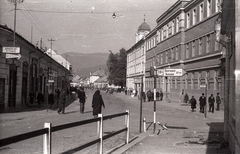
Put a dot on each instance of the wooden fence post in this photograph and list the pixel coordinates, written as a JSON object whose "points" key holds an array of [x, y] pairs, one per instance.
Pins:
{"points": [[127, 126], [100, 131], [47, 140]]}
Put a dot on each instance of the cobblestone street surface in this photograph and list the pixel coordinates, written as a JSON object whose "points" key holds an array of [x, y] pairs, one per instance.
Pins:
{"points": [[188, 132]]}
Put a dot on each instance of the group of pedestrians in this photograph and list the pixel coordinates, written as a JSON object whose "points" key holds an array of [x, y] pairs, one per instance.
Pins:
{"points": [[203, 103], [97, 101], [150, 96]]}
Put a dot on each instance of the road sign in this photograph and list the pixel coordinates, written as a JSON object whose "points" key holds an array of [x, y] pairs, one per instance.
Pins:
{"points": [[50, 81], [11, 50], [170, 72], [18, 56], [202, 86], [160, 72]]}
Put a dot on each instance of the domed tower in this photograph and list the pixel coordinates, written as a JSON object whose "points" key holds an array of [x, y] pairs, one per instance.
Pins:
{"points": [[143, 30]]}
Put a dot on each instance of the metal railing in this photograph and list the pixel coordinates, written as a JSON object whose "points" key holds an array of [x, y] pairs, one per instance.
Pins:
{"points": [[48, 129]]}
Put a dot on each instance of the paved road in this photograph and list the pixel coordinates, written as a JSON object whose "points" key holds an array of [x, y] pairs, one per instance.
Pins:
{"points": [[185, 125]]}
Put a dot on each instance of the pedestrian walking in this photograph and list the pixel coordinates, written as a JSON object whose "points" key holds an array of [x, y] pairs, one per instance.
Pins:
{"points": [[40, 98], [63, 99], [218, 101], [181, 98], [202, 101], [31, 97], [51, 99], [211, 101], [161, 95], [82, 99], [58, 96], [193, 103], [97, 103], [149, 95], [157, 95], [186, 99]]}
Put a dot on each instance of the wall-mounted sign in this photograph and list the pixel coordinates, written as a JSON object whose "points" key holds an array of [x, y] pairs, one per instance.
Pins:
{"points": [[11, 50]]}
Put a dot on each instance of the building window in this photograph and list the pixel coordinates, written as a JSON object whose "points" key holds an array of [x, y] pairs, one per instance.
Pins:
{"points": [[200, 46], [158, 36], [208, 44], [173, 26], [187, 50], [177, 24], [218, 5], [169, 30], [194, 17], [176, 57], [209, 7], [201, 13], [162, 35], [188, 20], [161, 58], [166, 59], [193, 48], [172, 55]]}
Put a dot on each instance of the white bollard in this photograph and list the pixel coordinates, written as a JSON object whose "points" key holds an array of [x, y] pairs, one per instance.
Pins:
{"points": [[47, 140]]}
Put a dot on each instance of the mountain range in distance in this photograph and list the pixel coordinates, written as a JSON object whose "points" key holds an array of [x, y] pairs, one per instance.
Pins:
{"points": [[83, 64]]}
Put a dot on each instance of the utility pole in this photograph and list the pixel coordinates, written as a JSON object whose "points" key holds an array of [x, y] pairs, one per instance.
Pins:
{"points": [[51, 40]]}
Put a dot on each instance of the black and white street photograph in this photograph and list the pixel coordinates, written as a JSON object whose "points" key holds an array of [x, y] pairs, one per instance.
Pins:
{"points": [[119, 77]]}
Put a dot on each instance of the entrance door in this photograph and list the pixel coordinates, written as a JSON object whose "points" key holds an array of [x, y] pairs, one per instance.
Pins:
{"points": [[12, 86], [2, 94], [24, 91]]}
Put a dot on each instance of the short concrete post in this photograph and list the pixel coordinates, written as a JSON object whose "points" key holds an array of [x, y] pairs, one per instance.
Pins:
{"points": [[144, 125], [47, 140], [127, 126]]}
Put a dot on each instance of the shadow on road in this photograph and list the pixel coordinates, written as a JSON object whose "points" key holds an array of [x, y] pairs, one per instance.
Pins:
{"points": [[36, 107]]}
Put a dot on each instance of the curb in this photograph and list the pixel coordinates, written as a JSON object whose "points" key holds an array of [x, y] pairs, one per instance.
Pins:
{"points": [[124, 147]]}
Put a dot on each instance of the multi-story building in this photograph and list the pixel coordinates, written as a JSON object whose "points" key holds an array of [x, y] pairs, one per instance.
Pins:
{"points": [[35, 71], [136, 59], [228, 36], [185, 39]]}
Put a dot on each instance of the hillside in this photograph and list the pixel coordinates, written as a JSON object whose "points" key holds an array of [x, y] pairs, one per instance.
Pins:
{"points": [[83, 64]]}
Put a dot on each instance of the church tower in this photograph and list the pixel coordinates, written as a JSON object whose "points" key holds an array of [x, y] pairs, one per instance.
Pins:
{"points": [[143, 30]]}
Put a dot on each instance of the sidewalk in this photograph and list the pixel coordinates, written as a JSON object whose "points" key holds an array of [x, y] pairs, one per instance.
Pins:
{"points": [[208, 140]]}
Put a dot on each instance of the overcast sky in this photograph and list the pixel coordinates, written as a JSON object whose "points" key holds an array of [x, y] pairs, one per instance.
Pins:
{"points": [[84, 26]]}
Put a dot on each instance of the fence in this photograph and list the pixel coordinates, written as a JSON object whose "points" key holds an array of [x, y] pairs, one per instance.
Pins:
{"points": [[48, 129]]}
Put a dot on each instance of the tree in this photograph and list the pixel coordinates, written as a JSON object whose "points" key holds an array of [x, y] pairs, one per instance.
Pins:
{"points": [[117, 68]]}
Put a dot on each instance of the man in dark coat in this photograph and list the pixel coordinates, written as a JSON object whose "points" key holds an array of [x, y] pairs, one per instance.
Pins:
{"points": [[32, 97], [51, 99], [211, 101], [40, 98], [63, 99], [157, 95], [202, 101], [186, 98], [82, 99], [218, 101], [97, 103], [193, 103], [149, 93], [161, 95]]}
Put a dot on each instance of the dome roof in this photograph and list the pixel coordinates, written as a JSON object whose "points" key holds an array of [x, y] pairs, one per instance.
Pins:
{"points": [[144, 27]]}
